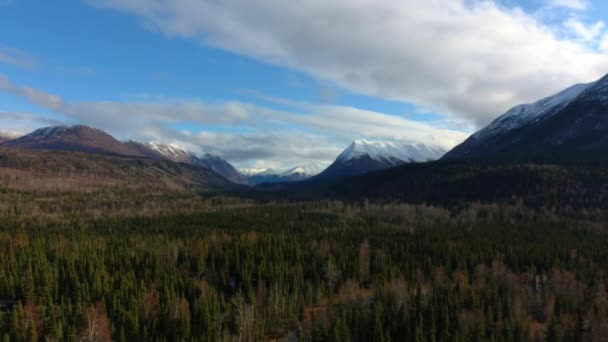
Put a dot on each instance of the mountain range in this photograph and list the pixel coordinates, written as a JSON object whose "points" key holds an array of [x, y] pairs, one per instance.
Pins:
{"points": [[360, 157], [550, 152], [570, 126]]}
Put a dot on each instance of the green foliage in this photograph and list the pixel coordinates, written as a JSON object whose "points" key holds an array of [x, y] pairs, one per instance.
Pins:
{"points": [[319, 271]]}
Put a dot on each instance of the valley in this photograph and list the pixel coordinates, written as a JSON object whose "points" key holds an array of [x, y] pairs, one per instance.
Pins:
{"points": [[315, 171]]}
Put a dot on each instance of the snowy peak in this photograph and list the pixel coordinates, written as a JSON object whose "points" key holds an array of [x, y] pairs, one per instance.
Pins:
{"points": [[178, 153], [294, 174], [307, 170], [524, 114], [58, 131], [253, 171], [570, 125], [9, 135], [363, 156], [392, 152], [172, 152]]}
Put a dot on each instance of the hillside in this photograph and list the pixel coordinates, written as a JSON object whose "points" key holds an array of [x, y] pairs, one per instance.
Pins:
{"points": [[74, 171], [452, 183]]}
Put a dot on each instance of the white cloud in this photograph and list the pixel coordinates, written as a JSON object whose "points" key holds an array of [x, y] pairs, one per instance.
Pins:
{"points": [[313, 133], [578, 5], [16, 57], [603, 45], [583, 31], [24, 121], [469, 59]]}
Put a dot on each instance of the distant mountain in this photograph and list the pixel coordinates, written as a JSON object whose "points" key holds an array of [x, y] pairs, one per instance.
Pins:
{"points": [[255, 171], [570, 125], [294, 174], [214, 163], [307, 170], [222, 167], [9, 135], [364, 156], [75, 138], [81, 138]]}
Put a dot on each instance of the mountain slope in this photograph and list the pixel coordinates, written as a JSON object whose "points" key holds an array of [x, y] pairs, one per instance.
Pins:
{"points": [[71, 170], [364, 156], [571, 125], [75, 138], [179, 154], [172, 152], [81, 138], [222, 167]]}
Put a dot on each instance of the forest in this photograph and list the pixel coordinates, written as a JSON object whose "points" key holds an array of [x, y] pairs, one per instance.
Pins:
{"points": [[133, 265]]}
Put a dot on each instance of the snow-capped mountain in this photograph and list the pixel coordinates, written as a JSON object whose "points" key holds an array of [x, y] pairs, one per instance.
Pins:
{"points": [[364, 156], [254, 171], [571, 122], [294, 174], [390, 152], [172, 152], [222, 167], [308, 170], [524, 114], [9, 135], [214, 163]]}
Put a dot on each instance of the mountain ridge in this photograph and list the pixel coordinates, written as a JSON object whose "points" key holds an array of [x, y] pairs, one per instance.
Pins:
{"points": [[575, 128], [81, 138], [363, 156]]}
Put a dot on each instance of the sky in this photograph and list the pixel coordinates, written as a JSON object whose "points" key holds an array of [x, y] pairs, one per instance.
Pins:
{"points": [[276, 84]]}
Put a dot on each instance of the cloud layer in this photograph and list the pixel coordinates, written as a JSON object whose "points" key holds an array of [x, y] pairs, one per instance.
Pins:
{"points": [[468, 59]]}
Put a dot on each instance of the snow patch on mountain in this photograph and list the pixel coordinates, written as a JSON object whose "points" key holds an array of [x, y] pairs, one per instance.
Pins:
{"points": [[9, 135], [168, 150], [53, 131], [524, 114], [311, 169], [306, 170], [252, 171], [392, 152], [174, 152]]}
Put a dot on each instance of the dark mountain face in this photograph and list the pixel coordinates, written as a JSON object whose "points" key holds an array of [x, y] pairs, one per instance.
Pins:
{"points": [[576, 130], [277, 178], [359, 165], [75, 138]]}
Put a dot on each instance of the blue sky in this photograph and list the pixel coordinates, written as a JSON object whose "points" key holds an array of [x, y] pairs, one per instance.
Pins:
{"points": [[265, 84]]}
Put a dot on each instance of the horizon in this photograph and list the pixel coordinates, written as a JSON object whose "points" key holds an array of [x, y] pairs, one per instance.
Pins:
{"points": [[265, 87]]}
